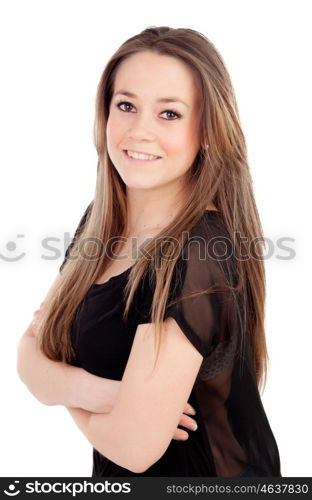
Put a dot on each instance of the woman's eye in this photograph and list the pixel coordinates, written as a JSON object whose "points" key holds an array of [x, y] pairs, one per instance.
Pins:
{"points": [[119, 104], [127, 106], [174, 113]]}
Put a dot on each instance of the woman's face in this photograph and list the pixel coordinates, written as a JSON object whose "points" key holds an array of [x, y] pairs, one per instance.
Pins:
{"points": [[154, 110]]}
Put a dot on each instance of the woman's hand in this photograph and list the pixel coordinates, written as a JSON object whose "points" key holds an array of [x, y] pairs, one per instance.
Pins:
{"points": [[35, 319], [185, 421], [94, 394], [98, 395]]}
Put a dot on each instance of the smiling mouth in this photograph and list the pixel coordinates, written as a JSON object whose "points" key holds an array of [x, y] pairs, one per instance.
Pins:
{"points": [[135, 155]]}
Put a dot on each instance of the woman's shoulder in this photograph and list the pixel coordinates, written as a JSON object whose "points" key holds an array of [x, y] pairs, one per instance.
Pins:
{"points": [[210, 250], [211, 226]]}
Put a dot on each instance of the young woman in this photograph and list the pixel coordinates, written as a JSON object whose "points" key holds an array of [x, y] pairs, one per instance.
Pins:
{"points": [[159, 303]]}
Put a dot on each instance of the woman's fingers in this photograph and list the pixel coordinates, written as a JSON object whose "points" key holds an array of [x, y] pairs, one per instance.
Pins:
{"points": [[188, 422], [35, 317], [37, 312], [35, 321], [189, 409], [180, 435]]}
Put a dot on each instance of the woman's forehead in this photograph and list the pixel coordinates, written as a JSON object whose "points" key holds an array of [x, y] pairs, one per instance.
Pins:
{"points": [[157, 77]]}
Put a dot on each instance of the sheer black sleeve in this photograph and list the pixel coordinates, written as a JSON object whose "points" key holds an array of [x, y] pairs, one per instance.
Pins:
{"points": [[206, 263], [77, 232]]}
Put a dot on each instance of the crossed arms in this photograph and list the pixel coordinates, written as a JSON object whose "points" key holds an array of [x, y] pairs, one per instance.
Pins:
{"points": [[131, 422]]}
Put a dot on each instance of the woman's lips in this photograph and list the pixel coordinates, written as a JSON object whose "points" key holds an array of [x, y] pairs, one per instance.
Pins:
{"points": [[125, 151]]}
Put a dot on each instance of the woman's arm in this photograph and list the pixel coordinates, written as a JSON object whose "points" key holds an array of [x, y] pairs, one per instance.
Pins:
{"points": [[58, 383], [82, 393], [138, 430], [82, 419]]}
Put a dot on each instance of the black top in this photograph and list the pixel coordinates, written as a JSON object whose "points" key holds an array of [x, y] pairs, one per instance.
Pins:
{"points": [[233, 431]]}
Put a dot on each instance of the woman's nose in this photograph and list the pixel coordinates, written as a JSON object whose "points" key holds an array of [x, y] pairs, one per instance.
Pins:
{"points": [[141, 127]]}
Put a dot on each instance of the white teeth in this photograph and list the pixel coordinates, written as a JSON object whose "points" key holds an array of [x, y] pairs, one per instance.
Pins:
{"points": [[141, 156]]}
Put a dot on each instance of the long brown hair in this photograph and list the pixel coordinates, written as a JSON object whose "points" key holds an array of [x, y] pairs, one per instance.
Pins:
{"points": [[219, 175]]}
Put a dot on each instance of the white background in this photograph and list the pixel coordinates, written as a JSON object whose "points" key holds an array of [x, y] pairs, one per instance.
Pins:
{"points": [[52, 57]]}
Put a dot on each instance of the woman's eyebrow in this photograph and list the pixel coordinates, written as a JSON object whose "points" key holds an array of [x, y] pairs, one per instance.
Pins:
{"points": [[161, 99]]}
